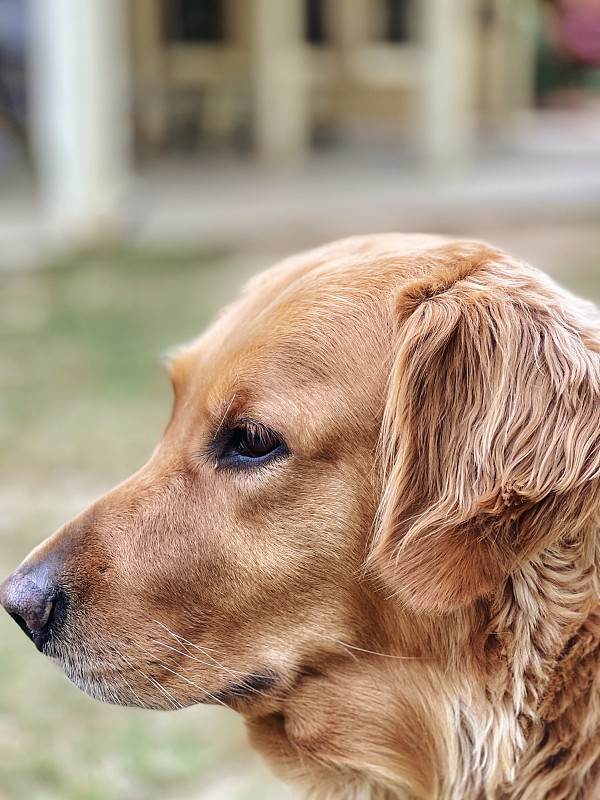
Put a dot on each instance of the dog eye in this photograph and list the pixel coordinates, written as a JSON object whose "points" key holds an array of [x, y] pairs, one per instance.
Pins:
{"points": [[250, 443], [255, 442]]}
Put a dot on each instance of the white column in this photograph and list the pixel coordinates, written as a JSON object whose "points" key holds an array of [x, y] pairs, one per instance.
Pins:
{"points": [[524, 23], [280, 108], [449, 75], [80, 116]]}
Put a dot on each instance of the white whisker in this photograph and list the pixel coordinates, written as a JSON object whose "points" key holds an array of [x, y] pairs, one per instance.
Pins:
{"points": [[383, 655], [352, 647], [183, 677], [184, 641], [202, 689], [182, 652], [162, 689], [208, 663], [235, 673], [176, 636], [125, 681], [154, 683]]}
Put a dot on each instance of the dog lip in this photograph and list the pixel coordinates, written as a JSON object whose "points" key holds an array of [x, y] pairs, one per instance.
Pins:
{"points": [[256, 683]]}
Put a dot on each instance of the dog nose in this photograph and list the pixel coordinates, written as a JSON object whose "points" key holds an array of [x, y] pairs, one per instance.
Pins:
{"points": [[35, 602]]}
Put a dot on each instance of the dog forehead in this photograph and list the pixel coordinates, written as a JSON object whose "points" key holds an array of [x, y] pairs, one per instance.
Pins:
{"points": [[302, 324], [312, 316]]}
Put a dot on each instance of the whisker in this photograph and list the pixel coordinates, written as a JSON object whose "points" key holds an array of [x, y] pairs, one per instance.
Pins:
{"points": [[162, 689], [129, 686], [350, 647], [154, 683], [109, 693], [224, 416], [183, 677], [176, 636], [182, 652], [233, 672], [184, 641], [209, 663], [207, 654], [202, 689], [383, 655], [132, 690]]}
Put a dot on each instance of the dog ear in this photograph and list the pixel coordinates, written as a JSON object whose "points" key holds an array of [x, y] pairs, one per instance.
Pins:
{"points": [[490, 439]]}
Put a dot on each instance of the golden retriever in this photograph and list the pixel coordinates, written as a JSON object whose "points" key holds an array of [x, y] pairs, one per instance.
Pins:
{"points": [[371, 527]]}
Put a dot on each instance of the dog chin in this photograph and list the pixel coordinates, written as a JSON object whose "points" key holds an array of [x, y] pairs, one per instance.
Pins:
{"points": [[107, 688]]}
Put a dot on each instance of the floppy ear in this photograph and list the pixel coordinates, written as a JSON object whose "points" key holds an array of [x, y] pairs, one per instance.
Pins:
{"points": [[491, 432]]}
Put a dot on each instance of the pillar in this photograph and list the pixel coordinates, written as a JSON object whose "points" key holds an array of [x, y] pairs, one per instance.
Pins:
{"points": [[280, 85], [80, 116], [448, 87]]}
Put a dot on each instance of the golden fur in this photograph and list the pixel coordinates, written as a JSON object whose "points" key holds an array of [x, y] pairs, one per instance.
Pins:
{"points": [[405, 605]]}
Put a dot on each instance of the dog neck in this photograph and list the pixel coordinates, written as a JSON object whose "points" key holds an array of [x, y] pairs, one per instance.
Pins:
{"points": [[519, 709], [552, 658]]}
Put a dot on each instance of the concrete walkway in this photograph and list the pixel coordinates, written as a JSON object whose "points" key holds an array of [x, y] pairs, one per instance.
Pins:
{"points": [[236, 204], [341, 195]]}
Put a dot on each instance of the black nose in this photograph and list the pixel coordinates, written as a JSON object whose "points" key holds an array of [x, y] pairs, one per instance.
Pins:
{"points": [[35, 602]]}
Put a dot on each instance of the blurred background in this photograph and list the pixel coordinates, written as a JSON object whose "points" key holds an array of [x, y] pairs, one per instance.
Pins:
{"points": [[153, 155]]}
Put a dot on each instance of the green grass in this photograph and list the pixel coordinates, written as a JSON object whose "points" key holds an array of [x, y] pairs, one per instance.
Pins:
{"points": [[83, 400], [80, 346]]}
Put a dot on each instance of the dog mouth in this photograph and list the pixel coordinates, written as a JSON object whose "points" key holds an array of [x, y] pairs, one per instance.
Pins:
{"points": [[127, 672], [253, 685], [122, 684], [105, 685], [112, 676], [111, 686]]}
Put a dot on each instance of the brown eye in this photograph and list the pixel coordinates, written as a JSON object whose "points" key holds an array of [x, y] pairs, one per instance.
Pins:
{"points": [[250, 443], [255, 441]]}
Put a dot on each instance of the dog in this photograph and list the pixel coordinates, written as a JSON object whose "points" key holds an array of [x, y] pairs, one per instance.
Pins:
{"points": [[371, 527]]}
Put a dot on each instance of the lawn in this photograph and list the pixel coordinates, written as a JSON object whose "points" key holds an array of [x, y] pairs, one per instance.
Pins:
{"points": [[83, 400]]}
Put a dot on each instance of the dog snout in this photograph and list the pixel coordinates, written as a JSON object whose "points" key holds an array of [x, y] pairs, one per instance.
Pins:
{"points": [[35, 601]]}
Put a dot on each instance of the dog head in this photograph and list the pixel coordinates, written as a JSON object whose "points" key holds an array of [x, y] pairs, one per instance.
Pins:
{"points": [[379, 430]]}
